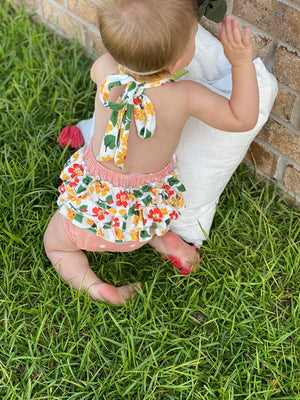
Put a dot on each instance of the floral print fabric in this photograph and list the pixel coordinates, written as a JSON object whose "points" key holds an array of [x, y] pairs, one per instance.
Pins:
{"points": [[132, 100], [114, 213]]}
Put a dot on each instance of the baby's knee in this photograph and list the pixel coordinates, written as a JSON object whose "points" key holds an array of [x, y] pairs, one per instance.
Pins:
{"points": [[47, 240], [50, 234]]}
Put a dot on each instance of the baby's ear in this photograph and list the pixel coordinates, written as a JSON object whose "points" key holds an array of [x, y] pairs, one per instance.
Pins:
{"points": [[175, 66]]}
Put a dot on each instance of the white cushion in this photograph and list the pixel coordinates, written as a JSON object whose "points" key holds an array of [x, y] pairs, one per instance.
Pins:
{"points": [[207, 156]]}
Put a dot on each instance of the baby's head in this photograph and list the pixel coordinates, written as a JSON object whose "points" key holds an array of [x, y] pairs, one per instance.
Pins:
{"points": [[147, 36]]}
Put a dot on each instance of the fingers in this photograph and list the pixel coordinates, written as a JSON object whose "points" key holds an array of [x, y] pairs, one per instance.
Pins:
{"points": [[237, 47], [236, 34], [247, 38], [230, 32]]}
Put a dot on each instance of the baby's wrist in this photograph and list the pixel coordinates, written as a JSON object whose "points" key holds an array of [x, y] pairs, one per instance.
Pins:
{"points": [[241, 63]]}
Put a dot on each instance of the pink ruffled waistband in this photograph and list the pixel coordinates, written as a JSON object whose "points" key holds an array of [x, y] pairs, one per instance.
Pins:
{"points": [[96, 169]]}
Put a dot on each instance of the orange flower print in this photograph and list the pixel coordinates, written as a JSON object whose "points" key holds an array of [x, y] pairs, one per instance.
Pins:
{"points": [[74, 182], [135, 220], [119, 234], [122, 199], [155, 214], [173, 215], [137, 205], [102, 88], [149, 108], [100, 232], [180, 202], [131, 196], [65, 177], [76, 170], [172, 199], [71, 214], [124, 139], [99, 213], [99, 187], [164, 212], [109, 128], [116, 222], [62, 188], [121, 156], [163, 232], [154, 191], [134, 235], [107, 158], [169, 190], [139, 114], [75, 156], [74, 199], [83, 196]]}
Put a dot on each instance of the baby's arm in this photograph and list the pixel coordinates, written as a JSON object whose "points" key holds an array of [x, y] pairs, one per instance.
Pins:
{"points": [[240, 113], [244, 100], [102, 67]]}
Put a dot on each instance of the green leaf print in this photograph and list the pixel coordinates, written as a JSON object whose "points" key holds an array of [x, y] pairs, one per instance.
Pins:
{"points": [[145, 235], [114, 117], [83, 208], [146, 188], [101, 205], [173, 181], [115, 83], [78, 218], [131, 210], [132, 86], [137, 193], [109, 199], [145, 133], [87, 179], [110, 141], [81, 189], [181, 188], [147, 200]]}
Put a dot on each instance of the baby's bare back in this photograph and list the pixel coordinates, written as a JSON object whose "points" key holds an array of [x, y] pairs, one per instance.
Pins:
{"points": [[150, 154]]}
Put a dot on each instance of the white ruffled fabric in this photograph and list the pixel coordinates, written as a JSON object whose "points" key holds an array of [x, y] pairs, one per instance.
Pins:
{"points": [[116, 213]]}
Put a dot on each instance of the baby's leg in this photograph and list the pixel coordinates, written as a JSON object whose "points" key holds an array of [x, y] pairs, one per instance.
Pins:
{"points": [[72, 265], [181, 254]]}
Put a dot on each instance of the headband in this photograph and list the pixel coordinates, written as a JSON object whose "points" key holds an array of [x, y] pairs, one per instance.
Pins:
{"points": [[214, 10]]}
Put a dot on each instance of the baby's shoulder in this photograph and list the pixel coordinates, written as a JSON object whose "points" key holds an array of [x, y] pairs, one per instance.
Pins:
{"points": [[178, 90], [104, 65]]}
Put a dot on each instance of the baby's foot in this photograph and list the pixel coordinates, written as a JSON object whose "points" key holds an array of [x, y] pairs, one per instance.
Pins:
{"points": [[116, 295], [180, 253]]}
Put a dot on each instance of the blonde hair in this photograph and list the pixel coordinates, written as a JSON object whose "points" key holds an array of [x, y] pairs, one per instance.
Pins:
{"points": [[146, 36]]}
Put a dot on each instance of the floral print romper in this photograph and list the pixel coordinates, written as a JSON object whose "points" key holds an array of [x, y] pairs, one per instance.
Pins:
{"points": [[119, 207]]}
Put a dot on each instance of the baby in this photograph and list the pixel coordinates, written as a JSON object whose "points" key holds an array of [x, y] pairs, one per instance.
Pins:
{"points": [[122, 191]]}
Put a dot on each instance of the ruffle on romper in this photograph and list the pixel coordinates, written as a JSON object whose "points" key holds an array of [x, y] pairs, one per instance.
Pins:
{"points": [[118, 207]]}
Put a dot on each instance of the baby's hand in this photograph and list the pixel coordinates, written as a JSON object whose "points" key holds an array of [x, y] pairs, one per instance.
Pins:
{"points": [[237, 49]]}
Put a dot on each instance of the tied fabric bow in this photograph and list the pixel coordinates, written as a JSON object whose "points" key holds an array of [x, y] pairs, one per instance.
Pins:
{"points": [[132, 99], [214, 10]]}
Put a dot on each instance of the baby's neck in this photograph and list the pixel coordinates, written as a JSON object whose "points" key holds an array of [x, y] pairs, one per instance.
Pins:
{"points": [[145, 78]]}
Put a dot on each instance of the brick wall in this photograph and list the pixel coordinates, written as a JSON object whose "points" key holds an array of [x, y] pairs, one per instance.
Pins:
{"points": [[276, 36]]}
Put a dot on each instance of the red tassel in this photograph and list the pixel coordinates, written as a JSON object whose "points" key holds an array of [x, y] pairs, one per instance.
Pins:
{"points": [[71, 136]]}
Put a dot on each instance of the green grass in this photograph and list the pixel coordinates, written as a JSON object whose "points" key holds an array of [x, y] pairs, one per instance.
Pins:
{"points": [[229, 331]]}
